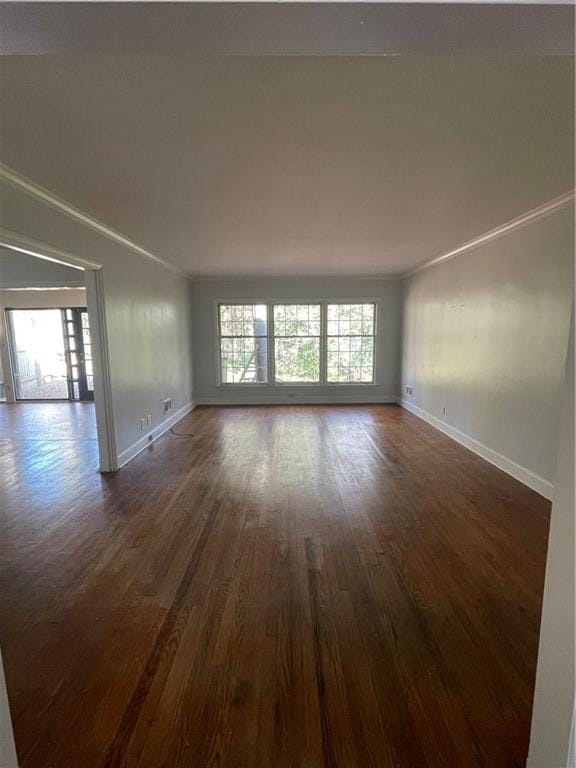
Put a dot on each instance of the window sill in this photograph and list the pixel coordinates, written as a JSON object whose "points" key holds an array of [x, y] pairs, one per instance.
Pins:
{"points": [[304, 384]]}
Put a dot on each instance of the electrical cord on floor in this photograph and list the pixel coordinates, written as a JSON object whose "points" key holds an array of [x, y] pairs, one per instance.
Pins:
{"points": [[181, 434]]}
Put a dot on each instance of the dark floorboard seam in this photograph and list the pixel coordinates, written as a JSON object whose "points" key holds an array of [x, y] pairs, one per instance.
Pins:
{"points": [[116, 754], [327, 746]]}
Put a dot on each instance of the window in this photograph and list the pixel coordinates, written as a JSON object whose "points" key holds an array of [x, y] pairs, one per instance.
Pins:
{"points": [[243, 337], [350, 331], [317, 343], [297, 343]]}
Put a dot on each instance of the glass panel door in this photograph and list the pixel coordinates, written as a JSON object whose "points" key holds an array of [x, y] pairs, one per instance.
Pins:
{"points": [[2, 386], [88, 383], [38, 353], [78, 354]]}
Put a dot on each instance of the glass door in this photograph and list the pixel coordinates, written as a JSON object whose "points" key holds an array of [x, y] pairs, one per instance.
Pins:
{"points": [[38, 354], [51, 353], [88, 383], [78, 354], [2, 385]]}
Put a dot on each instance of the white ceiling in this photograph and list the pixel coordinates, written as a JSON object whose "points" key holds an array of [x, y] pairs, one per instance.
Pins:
{"points": [[284, 165], [289, 28]]}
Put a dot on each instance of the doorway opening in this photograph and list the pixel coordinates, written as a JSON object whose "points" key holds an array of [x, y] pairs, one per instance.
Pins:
{"points": [[54, 364]]}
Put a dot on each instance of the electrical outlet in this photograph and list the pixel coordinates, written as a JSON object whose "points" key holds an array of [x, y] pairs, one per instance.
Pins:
{"points": [[443, 410], [149, 419], [142, 424], [167, 404], [409, 390]]}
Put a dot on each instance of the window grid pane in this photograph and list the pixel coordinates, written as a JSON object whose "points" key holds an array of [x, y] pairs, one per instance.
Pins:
{"points": [[243, 343], [297, 343], [296, 320], [243, 320], [350, 343]]}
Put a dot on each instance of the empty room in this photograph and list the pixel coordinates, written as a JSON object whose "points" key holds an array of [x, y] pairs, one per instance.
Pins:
{"points": [[287, 385]]}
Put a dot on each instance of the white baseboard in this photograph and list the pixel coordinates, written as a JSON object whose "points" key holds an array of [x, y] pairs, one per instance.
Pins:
{"points": [[533, 481], [127, 455], [301, 399]]}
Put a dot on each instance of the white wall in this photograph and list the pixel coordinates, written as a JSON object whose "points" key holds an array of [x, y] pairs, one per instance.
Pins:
{"points": [[7, 747], [18, 270], [553, 712], [148, 312], [572, 747], [207, 293], [485, 337]]}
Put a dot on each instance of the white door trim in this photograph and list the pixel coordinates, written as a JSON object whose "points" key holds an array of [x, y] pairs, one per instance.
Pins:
{"points": [[94, 279], [101, 362]]}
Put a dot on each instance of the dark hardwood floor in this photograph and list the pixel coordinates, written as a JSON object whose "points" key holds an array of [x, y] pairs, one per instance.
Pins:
{"points": [[47, 421], [294, 586]]}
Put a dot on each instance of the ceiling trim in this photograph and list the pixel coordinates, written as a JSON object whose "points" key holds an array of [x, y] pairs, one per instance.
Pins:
{"points": [[510, 226], [44, 285], [263, 276], [14, 241], [29, 187]]}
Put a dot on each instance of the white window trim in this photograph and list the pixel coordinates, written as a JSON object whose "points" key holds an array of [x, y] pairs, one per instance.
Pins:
{"points": [[323, 382]]}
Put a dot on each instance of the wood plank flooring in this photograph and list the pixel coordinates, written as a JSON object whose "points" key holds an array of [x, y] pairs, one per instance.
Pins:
{"points": [[294, 586]]}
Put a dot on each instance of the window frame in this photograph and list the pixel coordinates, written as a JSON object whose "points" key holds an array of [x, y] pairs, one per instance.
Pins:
{"points": [[320, 338], [218, 336], [375, 335], [270, 369]]}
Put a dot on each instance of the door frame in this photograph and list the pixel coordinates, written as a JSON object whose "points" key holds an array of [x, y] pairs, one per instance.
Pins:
{"points": [[95, 303]]}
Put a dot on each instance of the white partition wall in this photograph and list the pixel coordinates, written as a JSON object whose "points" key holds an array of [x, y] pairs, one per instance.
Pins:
{"points": [[8, 757], [145, 303], [484, 345], [552, 736]]}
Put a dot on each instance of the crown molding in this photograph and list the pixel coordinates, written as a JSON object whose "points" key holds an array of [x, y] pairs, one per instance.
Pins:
{"points": [[510, 226], [29, 187], [260, 278]]}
